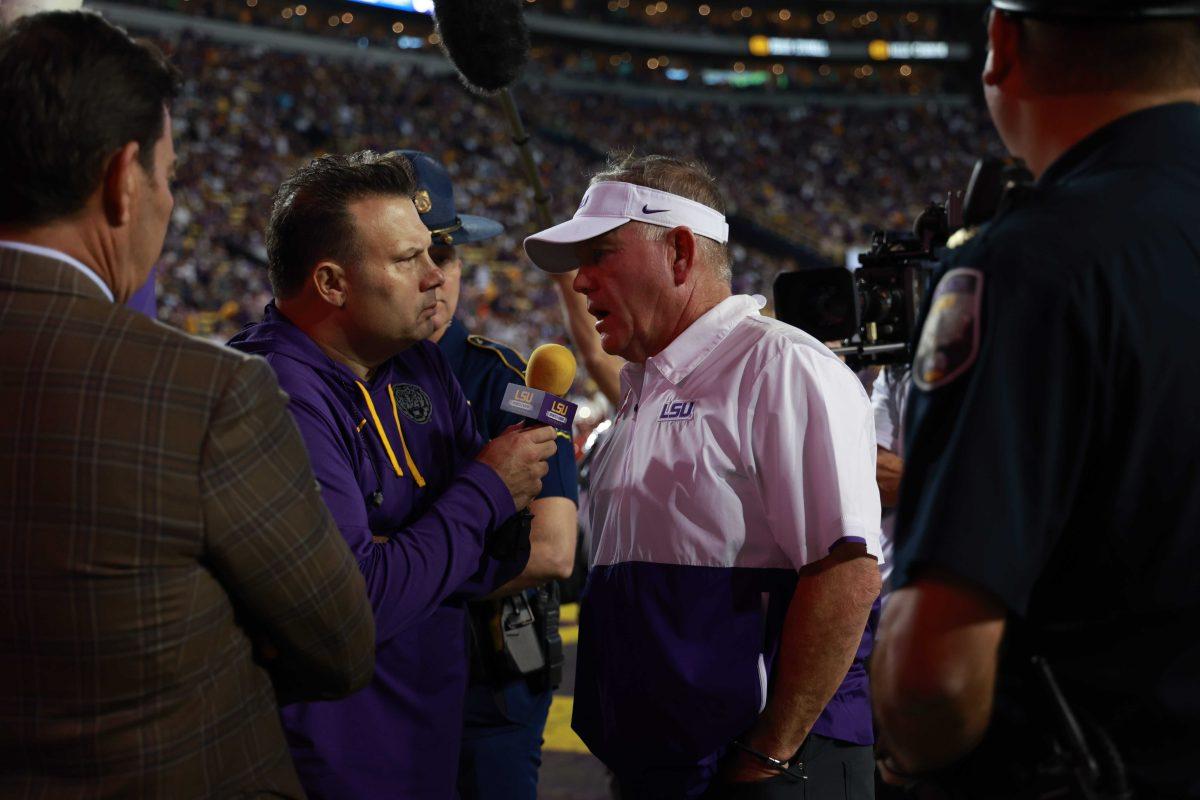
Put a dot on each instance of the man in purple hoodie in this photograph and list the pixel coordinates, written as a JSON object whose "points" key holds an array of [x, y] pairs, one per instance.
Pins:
{"points": [[426, 508]]}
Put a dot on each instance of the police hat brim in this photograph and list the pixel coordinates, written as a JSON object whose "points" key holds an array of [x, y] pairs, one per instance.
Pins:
{"points": [[476, 229], [470, 229]]}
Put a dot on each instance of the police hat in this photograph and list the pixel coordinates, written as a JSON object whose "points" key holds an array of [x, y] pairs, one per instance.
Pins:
{"points": [[435, 204], [1101, 9]]}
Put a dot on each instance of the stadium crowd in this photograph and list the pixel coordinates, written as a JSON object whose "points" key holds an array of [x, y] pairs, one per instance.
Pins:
{"points": [[740, 18], [387, 29], [822, 177]]}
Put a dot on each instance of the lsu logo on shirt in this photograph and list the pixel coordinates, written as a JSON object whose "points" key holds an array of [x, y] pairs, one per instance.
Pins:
{"points": [[678, 410]]}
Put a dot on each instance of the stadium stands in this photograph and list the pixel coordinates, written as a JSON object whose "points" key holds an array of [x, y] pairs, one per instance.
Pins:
{"points": [[823, 177]]}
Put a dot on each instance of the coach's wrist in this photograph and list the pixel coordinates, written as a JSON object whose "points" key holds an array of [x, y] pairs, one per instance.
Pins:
{"points": [[745, 768], [764, 752]]}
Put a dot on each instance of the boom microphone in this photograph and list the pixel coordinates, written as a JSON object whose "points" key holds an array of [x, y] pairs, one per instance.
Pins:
{"points": [[486, 40], [548, 376]]}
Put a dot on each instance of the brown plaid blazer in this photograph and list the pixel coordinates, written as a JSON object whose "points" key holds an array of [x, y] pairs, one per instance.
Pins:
{"points": [[158, 513]]}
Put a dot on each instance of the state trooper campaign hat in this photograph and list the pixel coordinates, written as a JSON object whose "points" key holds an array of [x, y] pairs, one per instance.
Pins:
{"points": [[435, 203], [1101, 9]]}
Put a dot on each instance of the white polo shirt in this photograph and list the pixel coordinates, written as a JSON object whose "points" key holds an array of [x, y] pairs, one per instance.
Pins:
{"points": [[744, 443], [740, 453]]}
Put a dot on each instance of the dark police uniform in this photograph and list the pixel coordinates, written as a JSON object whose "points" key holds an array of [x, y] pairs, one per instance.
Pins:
{"points": [[1053, 451], [505, 714]]}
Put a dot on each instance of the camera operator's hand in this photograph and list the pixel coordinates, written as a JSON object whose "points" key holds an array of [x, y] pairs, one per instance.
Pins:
{"points": [[519, 457]]}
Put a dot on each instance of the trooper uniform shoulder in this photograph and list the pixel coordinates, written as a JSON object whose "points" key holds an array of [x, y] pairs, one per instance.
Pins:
{"points": [[499, 352], [1017, 227], [1021, 342], [1003, 264]]}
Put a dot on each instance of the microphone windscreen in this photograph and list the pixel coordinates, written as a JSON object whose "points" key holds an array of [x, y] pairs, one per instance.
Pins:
{"points": [[486, 40], [551, 368]]}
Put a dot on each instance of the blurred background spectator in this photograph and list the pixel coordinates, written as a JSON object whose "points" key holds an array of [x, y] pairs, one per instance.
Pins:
{"points": [[819, 177]]}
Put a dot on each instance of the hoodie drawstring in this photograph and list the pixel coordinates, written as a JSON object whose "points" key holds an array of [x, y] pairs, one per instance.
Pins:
{"points": [[379, 428], [387, 445], [408, 459]]}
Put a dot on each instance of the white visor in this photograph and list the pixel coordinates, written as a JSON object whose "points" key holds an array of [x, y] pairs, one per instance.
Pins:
{"points": [[610, 204]]}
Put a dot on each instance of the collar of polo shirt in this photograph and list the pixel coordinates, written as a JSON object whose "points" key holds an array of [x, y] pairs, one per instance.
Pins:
{"points": [[607, 206]]}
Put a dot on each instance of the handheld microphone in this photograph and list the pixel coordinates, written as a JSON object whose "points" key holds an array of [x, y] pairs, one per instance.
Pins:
{"points": [[486, 40], [548, 376], [551, 368]]}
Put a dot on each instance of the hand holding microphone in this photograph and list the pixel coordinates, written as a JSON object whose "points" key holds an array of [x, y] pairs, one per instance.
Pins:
{"points": [[519, 457], [519, 454]]}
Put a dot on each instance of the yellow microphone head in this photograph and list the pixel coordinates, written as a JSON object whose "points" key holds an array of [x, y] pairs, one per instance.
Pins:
{"points": [[551, 368]]}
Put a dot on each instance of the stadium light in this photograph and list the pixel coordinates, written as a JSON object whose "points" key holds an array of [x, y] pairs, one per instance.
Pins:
{"points": [[417, 6]]}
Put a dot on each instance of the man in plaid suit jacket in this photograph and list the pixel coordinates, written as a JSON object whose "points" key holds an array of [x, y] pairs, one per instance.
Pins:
{"points": [[158, 513]]}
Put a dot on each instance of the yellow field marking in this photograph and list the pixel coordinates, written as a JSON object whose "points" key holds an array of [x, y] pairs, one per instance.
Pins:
{"points": [[568, 616], [559, 738]]}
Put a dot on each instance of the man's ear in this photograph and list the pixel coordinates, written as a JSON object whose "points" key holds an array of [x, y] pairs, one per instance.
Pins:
{"points": [[329, 279], [682, 244], [120, 187], [1004, 40]]}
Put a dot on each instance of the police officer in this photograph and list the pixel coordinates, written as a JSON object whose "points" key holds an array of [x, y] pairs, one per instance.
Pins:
{"points": [[1051, 497], [506, 709]]}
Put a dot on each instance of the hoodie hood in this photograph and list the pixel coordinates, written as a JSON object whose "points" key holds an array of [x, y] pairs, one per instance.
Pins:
{"points": [[276, 335], [294, 356]]}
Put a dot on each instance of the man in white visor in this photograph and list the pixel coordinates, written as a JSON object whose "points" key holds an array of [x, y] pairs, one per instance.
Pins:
{"points": [[729, 609]]}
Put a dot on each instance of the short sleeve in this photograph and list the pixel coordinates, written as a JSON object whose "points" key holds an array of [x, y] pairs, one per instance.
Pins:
{"points": [[993, 456], [813, 442], [562, 479]]}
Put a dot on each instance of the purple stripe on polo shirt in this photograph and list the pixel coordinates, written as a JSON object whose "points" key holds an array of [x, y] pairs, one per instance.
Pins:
{"points": [[667, 670], [845, 539]]}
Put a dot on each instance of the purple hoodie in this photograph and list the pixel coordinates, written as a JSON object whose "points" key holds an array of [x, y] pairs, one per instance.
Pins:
{"points": [[399, 466]]}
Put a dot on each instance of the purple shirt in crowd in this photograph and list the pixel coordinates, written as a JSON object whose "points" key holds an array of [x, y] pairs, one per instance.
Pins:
{"points": [[399, 737]]}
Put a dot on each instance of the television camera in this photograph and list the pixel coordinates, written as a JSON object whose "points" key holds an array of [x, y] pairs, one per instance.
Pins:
{"points": [[875, 310]]}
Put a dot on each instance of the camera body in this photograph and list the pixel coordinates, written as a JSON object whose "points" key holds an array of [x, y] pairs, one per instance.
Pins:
{"points": [[875, 311]]}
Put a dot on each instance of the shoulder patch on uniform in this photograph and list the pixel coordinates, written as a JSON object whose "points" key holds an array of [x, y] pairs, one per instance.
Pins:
{"points": [[496, 347], [949, 341]]}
